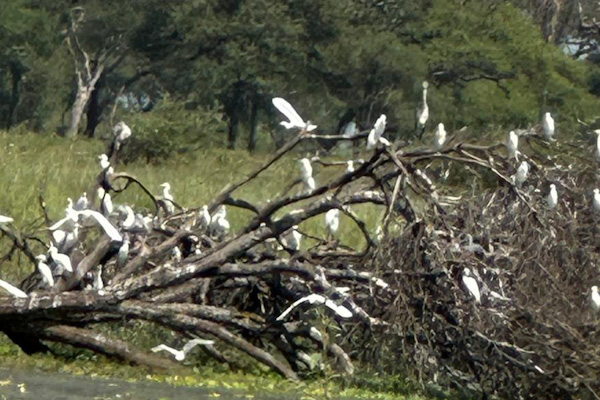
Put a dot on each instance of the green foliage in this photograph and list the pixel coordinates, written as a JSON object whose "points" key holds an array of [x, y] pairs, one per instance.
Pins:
{"points": [[486, 61], [169, 129]]}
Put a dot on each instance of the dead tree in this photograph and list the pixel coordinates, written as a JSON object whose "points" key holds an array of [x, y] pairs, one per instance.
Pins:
{"points": [[89, 67], [533, 332]]}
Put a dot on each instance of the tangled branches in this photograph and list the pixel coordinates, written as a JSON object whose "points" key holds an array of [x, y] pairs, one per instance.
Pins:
{"points": [[533, 332]]}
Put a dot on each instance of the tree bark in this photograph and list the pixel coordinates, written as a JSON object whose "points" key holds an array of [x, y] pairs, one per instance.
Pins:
{"points": [[16, 75], [94, 110]]}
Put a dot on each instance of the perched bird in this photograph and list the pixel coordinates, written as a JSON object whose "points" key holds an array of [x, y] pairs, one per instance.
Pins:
{"points": [[375, 134], [310, 185], [595, 298], [109, 229], [168, 197], [512, 145], [552, 198], [596, 201], [180, 354], [219, 226], [295, 121], [349, 166], [440, 137], [98, 283], [61, 260], [332, 219], [82, 203], [106, 204], [422, 114], [121, 132], [317, 299], [522, 173], [471, 285], [293, 239], [44, 270], [176, 253], [205, 217], [5, 220], [548, 124], [129, 220], [350, 130], [104, 163], [66, 240], [305, 169], [16, 292], [597, 131], [123, 252]]}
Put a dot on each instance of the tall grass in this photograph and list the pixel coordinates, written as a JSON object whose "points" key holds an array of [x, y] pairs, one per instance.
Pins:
{"points": [[55, 168]]}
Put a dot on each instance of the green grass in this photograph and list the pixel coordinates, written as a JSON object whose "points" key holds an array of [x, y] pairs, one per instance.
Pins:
{"points": [[56, 169]]}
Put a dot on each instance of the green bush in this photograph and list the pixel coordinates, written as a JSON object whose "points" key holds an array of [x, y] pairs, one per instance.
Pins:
{"points": [[171, 128]]}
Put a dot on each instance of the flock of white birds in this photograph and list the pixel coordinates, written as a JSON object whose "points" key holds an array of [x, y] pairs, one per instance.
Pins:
{"points": [[121, 222]]}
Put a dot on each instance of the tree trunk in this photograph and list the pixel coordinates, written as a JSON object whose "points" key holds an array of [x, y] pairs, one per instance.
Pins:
{"points": [[253, 125], [94, 111], [83, 95], [17, 75], [233, 127]]}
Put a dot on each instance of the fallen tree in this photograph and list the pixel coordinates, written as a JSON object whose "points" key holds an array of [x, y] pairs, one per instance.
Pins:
{"points": [[533, 331]]}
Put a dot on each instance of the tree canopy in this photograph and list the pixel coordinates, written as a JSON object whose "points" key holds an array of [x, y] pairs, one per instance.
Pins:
{"points": [[488, 62]]}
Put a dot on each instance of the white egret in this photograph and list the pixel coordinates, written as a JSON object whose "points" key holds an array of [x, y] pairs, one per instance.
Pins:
{"points": [[104, 163], [16, 292], [349, 167], [440, 137], [220, 226], [220, 213], [123, 253], [310, 185], [596, 201], [60, 259], [595, 298], [305, 169], [332, 219], [350, 130], [548, 123], [121, 131], [473, 247], [317, 299], [129, 220], [44, 270], [4, 220], [66, 240], [293, 239], [522, 173], [98, 282], [512, 145], [205, 217], [82, 203], [106, 205], [375, 134], [552, 198], [168, 197], [295, 121], [471, 285], [422, 112], [176, 253], [597, 131], [180, 354], [109, 229]]}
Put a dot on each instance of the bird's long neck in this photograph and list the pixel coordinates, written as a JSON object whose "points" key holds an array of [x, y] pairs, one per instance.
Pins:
{"points": [[424, 97]]}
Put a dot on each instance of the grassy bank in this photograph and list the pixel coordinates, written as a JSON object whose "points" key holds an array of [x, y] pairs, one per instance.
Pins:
{"points": [[56, 169]]}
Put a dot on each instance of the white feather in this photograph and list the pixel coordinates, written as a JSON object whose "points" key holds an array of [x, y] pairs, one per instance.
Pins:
{"points": [[471, 285], [16, 292]]}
